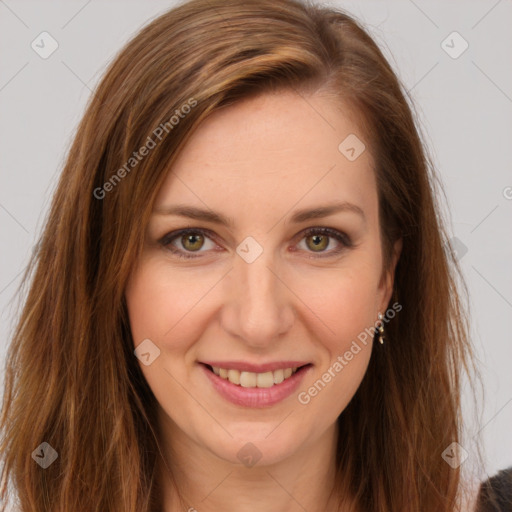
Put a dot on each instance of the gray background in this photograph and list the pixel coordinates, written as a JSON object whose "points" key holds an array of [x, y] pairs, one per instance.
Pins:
{"points": [[464, 106]]}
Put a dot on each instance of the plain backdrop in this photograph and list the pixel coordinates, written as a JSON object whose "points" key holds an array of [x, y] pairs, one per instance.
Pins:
{"points": [[464, 106]]}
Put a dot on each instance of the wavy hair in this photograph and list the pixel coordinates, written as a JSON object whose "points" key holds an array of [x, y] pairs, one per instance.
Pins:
{"points": [[71, 378]]}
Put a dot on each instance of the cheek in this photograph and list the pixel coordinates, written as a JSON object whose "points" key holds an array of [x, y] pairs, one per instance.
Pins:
{"points": [[342, 301], [148, 302], [346, 312], [161, 308], [164, 305]]}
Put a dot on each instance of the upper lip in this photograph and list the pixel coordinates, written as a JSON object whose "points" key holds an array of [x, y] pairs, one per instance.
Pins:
{"points": [[255, 368]]}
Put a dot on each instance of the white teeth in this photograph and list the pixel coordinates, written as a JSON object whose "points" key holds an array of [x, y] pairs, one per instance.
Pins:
{"points": [[253, 380], [278, 376], [234, 376], [265, 380], [247, 379]]}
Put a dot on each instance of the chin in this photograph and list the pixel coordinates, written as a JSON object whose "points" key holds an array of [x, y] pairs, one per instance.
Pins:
{"points": [[256, 445]]}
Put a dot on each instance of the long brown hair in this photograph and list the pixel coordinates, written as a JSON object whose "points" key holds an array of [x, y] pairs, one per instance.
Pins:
{"points": [[72, 379]]}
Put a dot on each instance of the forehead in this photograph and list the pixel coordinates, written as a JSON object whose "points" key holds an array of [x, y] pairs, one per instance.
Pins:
{"points": [[273, 150]]}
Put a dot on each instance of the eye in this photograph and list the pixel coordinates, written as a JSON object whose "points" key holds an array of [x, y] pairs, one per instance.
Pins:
{"points": [[186, 242], [317, 240]]}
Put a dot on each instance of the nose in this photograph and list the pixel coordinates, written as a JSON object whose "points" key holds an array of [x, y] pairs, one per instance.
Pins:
{"points": [[258, 309]]}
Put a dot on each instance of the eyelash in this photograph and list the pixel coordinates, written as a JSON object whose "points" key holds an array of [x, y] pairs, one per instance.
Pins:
{"points": [[344, 240]]}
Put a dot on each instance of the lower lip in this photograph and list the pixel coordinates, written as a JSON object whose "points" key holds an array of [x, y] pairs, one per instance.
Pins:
{"points": [[256, 397]]}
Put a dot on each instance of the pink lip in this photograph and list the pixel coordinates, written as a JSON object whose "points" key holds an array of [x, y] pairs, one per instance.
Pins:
{"points": [[256, 368], [255, 397]]}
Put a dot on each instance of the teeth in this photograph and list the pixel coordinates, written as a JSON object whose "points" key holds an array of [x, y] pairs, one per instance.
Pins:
{"points": [[247, 379], [278, 376], [234, 376], [265, 380], [253, 380]]}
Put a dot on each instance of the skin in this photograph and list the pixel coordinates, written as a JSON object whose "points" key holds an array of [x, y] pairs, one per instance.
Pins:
{"points": [[258, 162]]}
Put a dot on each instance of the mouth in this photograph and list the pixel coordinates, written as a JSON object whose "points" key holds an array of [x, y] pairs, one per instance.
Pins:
{"points": [[249, 379], [254, 389]]}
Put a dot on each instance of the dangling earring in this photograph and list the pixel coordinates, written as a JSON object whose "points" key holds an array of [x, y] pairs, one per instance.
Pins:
{"points": [[381, 330]]}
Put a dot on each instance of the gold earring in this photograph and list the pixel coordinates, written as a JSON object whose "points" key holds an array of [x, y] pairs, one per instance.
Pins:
{"points": [[381, 330]]}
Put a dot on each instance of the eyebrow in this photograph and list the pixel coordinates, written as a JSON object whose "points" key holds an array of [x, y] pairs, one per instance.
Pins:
{"points": [[299, 216]]}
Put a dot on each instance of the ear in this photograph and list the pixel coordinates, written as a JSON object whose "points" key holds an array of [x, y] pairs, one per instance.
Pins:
{"points": [[386, 286]]}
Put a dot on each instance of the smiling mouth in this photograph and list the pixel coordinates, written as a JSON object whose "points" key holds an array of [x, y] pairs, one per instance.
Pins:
{"points": [[255, 380]]}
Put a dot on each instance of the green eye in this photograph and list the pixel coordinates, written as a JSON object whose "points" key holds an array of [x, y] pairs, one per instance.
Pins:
{"points": [[320, 242], [184, 243], [318, 239], [192, 242]]}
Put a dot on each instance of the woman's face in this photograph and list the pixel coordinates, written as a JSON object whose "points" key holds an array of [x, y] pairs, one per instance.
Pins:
{"points": [[260, 295]]}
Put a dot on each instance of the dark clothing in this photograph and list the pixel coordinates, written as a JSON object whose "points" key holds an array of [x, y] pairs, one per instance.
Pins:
{"points": [[495, 494]]}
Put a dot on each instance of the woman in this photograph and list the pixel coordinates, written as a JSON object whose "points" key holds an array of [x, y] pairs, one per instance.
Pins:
{"points": [[241, 298]]}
